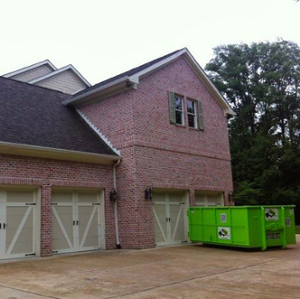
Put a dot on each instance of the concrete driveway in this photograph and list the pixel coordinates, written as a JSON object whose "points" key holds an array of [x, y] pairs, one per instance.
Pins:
{"points": [[191, 271]]}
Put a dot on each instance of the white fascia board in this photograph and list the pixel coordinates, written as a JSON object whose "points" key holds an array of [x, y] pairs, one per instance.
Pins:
{"points": [[97, 131], [96, 90], [154, 67], [63, 69], [54, 153], [226, 107], [28, 68]]}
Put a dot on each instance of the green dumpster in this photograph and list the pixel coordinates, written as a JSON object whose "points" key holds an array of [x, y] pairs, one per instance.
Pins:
{"points": [[243, 226]]}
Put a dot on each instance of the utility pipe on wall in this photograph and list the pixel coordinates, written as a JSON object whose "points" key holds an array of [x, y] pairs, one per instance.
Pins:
{"points": [[116, 205]]}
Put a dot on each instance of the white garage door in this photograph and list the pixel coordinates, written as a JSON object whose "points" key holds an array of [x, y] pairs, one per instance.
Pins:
{"points": [[169, 210], [17, 223], [76, 223], [209, 198]]}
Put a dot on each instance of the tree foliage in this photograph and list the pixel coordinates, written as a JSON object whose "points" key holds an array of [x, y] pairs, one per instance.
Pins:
{"points": [[261, 82]]}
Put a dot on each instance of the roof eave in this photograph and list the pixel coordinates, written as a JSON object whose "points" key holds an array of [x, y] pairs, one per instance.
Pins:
{"points": [[109, 89], [57, 154]]}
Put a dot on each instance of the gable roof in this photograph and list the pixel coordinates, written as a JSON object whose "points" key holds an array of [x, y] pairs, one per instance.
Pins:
{"points": [[125, 74], [131, 78], [34, 121], [30, 67], [69, 67]]}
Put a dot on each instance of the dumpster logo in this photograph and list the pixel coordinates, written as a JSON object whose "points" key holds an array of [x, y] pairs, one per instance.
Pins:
{"points": [[224, 233], [271, 214]]}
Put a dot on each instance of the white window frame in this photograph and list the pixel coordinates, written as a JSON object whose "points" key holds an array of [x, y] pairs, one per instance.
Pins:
{"points": [[181, 111], [194, 115]]}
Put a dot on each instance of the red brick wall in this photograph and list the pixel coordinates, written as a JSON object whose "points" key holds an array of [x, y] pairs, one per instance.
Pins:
{"points": [[155, 152], [47, 173]]}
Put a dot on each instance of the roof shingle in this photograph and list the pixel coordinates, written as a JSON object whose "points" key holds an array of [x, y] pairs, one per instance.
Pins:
{"points": [[34, 115]]}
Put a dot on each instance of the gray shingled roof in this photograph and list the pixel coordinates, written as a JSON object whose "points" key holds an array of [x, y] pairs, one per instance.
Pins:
{"points": [[34, 115], [125, 74]]}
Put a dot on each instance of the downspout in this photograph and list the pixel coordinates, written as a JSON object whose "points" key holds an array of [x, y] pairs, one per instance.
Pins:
{"points": [[116, 205]]}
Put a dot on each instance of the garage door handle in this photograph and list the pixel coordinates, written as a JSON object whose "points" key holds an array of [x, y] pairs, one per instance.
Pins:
{"points": [[74, 222], [77, 222], [4, 225], [0, 225]]}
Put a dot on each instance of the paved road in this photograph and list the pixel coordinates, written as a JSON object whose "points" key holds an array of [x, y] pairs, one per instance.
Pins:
{"points": [[191, 271]]}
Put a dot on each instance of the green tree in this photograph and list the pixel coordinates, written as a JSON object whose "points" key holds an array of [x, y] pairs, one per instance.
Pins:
{"points": [[261, 82]]}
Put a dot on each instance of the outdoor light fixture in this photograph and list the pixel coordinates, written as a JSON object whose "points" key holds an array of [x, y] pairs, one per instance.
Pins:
{"points": [[113, 195], [148, 193]]}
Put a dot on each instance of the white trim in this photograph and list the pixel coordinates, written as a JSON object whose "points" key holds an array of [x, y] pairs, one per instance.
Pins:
{"points": [[136, 78], [98, 132], [69, 67], [196, 111], [53, 153], [28, 68]]}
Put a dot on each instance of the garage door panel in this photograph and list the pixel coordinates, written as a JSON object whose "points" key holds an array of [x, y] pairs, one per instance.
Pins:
{"points": [[209, 198], [88, 227], [62, 197], [18, 223], [76, 221], [62, 228], [87, 197], [159, 211], [177, 223], [19, 237], [19, 196], [168, 211]]}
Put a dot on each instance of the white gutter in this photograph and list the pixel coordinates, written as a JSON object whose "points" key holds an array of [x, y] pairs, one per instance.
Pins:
{"points": [[54, 153], [116, 206], [96, 90]]}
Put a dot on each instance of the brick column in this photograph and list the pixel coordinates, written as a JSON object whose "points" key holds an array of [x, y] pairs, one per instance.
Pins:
{"points": [[192, 197], [46, 221]]}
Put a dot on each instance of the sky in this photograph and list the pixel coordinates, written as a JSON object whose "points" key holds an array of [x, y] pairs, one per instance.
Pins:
{"points": [[104, 38]]}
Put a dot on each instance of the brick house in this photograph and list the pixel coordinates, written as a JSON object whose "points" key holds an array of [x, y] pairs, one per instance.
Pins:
{"points": [[161, 127]]}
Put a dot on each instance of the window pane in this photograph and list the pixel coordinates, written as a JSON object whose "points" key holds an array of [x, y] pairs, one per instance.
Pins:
{"points": [[179, 117], [178, 102], [191, 107], [191, 120]]}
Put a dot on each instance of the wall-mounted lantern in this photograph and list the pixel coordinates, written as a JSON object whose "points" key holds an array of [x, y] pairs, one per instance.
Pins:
{"points": [[149, 193], [113, 195]]}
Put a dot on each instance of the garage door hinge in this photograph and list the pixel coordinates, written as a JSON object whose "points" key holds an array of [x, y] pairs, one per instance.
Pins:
{"points": [[53, 203], [30, 203], [96, 204], [30, 254], [54, 251]]}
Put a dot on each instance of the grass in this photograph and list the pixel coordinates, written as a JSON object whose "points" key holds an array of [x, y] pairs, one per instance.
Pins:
{"points": [[297, 229]]}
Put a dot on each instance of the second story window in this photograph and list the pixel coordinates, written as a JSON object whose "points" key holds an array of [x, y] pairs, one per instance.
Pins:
{"points": [[191, 113], [178, 101]]}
